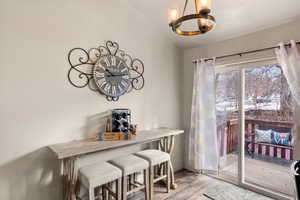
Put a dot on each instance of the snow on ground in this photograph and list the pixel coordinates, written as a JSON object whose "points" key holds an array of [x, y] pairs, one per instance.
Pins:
{"points": [[267, 104]]}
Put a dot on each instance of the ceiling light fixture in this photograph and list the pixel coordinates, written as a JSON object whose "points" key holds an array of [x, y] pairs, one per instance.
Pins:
{"points": [[205, 22]]}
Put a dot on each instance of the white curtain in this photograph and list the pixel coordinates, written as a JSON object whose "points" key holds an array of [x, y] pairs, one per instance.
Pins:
{"points": [[289, 59], [203, 147]]}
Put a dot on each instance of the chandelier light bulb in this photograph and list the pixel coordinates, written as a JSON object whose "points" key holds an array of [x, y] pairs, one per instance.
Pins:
{"points": [[203, 6], [173, 14], [203, 21]]}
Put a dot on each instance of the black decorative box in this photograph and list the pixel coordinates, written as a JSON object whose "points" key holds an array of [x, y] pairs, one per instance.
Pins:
{"points": [[121, 120]]}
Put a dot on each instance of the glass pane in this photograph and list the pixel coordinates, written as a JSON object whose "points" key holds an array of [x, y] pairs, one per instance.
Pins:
{"points": [[268, 129], [227, 90]]}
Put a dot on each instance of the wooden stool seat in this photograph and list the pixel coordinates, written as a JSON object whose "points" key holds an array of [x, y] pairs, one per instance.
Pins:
{"points": [[99, 174]]}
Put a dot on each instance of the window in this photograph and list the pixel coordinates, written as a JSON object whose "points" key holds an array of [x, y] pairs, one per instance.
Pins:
{"points": [[258, 98]]}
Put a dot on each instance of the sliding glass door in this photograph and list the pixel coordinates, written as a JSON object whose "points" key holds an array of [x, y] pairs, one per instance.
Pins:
{"points": [[227, 109], [255, 128], [268, 108]]}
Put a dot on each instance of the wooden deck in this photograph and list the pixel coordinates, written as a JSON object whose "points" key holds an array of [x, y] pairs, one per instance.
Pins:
{"points": [[272, 174]]}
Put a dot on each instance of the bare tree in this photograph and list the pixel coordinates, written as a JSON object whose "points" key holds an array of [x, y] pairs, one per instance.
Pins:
{"points": [[265, 85]]}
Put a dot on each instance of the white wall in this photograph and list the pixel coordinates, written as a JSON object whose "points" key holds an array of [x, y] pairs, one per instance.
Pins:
{"points": [[39, 107], [262, 39]]}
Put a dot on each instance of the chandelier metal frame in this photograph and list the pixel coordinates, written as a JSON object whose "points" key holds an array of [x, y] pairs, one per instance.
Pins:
{"points": [[203, 14]]}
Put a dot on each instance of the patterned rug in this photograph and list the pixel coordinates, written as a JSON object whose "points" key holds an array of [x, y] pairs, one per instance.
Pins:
{"points": [[224, 191]]}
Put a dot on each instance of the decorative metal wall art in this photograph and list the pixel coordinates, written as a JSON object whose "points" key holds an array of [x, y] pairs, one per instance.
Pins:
{"points": [[105, 69]]}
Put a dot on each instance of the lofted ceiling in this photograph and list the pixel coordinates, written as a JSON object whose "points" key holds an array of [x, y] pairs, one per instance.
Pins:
{"points": [[234, 17]]}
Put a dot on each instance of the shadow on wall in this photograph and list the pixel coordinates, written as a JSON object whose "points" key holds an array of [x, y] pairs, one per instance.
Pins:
{"points": [[34, 176], [96, 123]]}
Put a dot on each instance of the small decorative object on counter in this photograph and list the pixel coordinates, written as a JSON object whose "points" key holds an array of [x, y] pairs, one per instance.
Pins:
{"points": [[118, 126], [133, 128], [96, 124], [108, 125], [115, 136], [121, 119]]}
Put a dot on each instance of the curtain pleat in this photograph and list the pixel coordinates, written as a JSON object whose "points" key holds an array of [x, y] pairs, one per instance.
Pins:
{"points": [[289, 59], [203, 145]]}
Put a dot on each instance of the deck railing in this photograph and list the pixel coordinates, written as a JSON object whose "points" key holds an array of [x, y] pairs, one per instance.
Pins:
{"points": [[250, 125]]}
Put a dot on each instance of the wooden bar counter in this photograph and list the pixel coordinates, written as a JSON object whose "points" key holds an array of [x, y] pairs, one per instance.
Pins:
{"points": [[69, 152]]}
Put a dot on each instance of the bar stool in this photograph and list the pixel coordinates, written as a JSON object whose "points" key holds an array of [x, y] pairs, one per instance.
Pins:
{"points": [[100, 175], [131, 165], [159, 167]]}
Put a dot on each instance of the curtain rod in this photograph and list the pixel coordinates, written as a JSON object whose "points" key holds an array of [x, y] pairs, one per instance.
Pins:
{"points": [[247, 52]]}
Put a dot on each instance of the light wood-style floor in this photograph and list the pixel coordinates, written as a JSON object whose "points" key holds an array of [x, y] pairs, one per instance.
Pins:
{"points": [[190, 187], [183, 179]]}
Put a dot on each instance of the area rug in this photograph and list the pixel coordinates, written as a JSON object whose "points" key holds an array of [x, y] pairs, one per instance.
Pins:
{"points": [[223, 191], [226, 191]]}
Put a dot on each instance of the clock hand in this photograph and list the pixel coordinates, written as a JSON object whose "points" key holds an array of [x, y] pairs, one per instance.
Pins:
{"points": [[117, 75], [109, 72]]}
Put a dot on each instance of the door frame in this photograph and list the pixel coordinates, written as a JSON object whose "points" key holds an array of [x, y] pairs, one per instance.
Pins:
{"points": [[241, 67]]}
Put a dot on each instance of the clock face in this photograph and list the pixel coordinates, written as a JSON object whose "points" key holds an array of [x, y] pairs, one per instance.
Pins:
{"points": [[111, 75]]}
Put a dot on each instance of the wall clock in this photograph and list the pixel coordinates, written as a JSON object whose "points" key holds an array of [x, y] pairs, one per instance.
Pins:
{"points": [[106, 69]]}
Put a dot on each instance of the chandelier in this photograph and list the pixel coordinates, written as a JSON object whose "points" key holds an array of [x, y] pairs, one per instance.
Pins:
{"points": [[205, 22]]}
